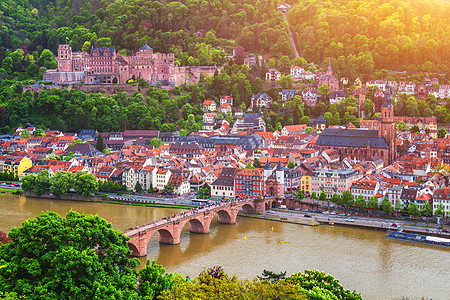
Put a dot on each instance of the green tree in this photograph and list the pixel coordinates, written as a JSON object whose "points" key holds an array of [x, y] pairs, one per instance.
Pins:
{"points": [[76, 257], [168, 189], [348, 199], [269, 276], [308, 130], [61, 183], [85, 183], [361, 202], [324, 92], [322, 196], [413, 210], [439, 212], [154, 281], [291, 165], [8, 65], [156, 142], [42, 183], [286, 82], [402, 126], [278, 126], [386, 206], [373, 204], [25, 134], [426, 210], [99, 145], [441, 133], [257, 163], [39, 132], [183, 132], [300, 195], [138, 187], [305, 120], [28, 182], [318, 285], [72, 143], [86, 47], [398, 206], [47, 60], [313, 196]]}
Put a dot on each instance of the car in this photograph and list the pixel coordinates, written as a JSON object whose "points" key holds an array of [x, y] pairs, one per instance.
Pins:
{"points": [[270, 212], [342, 214], [350, 220], [307, 216], [332, 213], [290, 208], [326, 212], [445, 230], [319, 211], [283, 219], [305, 210], [395, 225], [297, 209]]}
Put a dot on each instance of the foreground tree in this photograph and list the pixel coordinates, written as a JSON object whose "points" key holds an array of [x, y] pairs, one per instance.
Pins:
{"points": [[154, 280], [214, 283], [77, 257]]}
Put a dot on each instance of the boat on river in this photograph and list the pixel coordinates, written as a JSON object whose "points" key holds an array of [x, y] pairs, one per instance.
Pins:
{"points": [[418, 238]]}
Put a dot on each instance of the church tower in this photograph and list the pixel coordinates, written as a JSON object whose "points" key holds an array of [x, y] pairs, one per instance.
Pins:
{"points": [[387, 126]]}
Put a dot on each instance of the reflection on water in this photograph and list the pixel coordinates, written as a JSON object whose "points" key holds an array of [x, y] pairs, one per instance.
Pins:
{"points": [[363, 260]]}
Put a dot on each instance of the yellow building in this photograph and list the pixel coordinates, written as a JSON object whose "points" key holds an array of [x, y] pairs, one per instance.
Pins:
{"points": [[305, 184], [16, 165]]}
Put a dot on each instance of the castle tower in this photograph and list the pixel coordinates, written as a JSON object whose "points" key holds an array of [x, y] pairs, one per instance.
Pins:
{"points": [[387, 125], [64, 58]]}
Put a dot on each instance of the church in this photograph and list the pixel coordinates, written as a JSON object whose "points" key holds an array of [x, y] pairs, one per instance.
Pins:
{"points": [[364, 143]]}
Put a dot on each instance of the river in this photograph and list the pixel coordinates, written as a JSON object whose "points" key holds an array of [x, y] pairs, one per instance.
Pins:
{"points": [[361, 259]]}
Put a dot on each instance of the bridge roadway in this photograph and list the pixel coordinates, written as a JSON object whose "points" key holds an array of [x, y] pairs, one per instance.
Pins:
{"points": [[169, 228]]}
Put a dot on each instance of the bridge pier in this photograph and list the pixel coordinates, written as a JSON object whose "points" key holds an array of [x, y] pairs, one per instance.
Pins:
{"points": [[260, 206]]}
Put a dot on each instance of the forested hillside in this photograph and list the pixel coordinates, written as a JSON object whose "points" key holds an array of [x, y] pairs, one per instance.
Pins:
{"points": [[358, 35], [362, 35]]}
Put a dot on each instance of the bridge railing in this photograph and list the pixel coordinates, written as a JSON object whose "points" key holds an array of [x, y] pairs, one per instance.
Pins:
{"points": [[186, 215]]}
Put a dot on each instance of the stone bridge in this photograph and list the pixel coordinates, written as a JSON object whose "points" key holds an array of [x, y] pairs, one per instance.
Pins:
{"points": [[199, 219]]}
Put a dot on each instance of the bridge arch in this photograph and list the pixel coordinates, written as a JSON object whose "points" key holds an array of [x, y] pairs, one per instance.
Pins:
{"points": [[197, 226], [248, 208], [224, 217], [165, 237], [134, 249]]}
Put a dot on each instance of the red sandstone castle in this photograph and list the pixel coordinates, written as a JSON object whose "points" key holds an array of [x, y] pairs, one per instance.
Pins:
{"points": [[105, 66]]}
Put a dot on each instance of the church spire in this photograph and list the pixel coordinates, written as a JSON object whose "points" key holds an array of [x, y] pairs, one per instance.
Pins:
{"points": [[330, 70]]}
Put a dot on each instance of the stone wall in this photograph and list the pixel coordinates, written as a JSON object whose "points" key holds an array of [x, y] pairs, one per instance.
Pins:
{"points": [[69, 197]]}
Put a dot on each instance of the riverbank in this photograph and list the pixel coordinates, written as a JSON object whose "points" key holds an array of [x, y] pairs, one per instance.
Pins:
{"points": [[68, 197], [149, 204], [282, 219], [361, 223]]}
